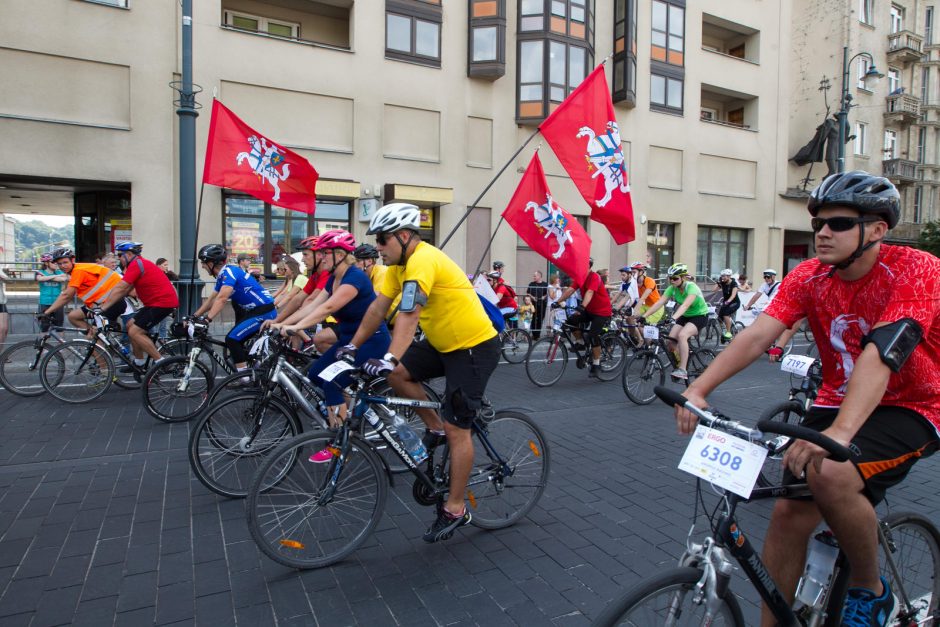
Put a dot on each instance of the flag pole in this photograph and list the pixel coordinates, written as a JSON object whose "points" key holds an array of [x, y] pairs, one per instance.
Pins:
{"points": [[473, 205], [195, 273]]}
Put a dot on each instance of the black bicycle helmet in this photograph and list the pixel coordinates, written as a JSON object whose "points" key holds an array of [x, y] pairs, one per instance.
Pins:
{"points": [[212, 253], [62, 253], [861, 191], [366, 251]]}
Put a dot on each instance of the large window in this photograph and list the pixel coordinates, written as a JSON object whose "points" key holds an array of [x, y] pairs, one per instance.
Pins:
{"points": [[413, 31], [487, 39], [865, 11], [625, 21], [891, 145], [267, 233], [928, 26], [861, 138], [720, 248], [260, 24], [894, 81], [918, 216], [667, 56], [660, 248], [897, 19], [922, 144]]}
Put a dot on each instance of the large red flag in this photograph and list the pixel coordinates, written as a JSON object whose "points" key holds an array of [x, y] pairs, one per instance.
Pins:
{"points": [[547, 228], [584, 134], [238, 157]]}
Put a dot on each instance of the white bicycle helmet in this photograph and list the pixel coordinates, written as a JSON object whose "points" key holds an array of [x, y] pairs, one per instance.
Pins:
{"points": [[770, 271], [726, 272], [394, 217]]}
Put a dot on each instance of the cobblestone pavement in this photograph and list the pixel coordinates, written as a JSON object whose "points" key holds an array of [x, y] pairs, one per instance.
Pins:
{"points": [[102, 523]]}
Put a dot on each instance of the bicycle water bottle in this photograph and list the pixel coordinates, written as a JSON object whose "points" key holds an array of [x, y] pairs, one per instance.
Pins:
{"points": [[409, 438], [820, 560]]}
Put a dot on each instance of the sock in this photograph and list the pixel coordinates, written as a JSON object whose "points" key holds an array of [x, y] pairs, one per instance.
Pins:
{"points": [[596, 362], [140, 362]]}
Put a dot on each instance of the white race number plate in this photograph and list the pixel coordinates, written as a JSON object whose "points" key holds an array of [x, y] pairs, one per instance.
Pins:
{"points": [[727, 461], [650, 332], [333, 370], [797, 364]]}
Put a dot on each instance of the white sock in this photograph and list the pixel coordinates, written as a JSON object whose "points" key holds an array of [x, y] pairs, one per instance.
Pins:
{"points": [[140, 362]]}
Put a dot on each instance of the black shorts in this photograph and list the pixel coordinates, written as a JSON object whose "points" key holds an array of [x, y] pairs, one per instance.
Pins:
{"points": [[147, 317], [698, 321], [590, 323], [113, 312], [467, 371], [886, 447], [727, 310]]}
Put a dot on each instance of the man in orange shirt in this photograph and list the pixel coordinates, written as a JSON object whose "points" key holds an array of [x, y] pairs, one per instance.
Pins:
{"points": [[91, 282]]}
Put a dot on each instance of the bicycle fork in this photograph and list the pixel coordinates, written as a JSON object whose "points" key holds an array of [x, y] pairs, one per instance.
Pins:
{"points": [[183, 384]]}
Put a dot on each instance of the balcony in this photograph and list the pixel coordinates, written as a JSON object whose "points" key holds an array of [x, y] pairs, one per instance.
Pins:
{"points": [[902, 109], [900, 171], [905, 47]]}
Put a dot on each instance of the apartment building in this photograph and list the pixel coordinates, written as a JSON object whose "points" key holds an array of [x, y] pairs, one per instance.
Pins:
{"points": [[415, 100]]}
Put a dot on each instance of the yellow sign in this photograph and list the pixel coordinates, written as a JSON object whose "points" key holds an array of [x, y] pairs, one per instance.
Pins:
{"points": [[246, 238], [427, 218]]}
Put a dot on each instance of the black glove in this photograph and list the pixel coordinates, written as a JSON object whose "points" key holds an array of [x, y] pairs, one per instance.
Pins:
{"points": [[347, 353], [377, 367], [554, 305], [640, 320], [580, 309]]}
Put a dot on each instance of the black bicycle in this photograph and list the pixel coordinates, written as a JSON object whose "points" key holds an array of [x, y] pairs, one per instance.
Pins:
{"points": [[305, 514], [19, 363], [697, 591], [548, 358]]}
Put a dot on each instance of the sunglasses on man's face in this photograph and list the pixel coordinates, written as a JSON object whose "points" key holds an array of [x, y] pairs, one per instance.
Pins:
{"points": [[675, 278], [838, 224], [768, 276], [381, 239]]}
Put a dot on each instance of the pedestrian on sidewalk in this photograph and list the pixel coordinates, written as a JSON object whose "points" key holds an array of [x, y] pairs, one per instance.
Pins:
{"points": [[50, 280], [538, 290]]}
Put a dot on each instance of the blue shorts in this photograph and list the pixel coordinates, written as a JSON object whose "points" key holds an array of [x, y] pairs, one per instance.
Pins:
{"points": [[249, 326]]}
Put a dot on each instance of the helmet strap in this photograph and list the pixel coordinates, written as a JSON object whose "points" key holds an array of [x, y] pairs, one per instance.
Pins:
{"points": [[859, 251], [404, 246]]}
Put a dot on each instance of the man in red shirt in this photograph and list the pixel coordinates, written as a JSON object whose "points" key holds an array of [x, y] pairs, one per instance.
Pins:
{"points": [[154, 290], [593, 314], [875, 313], [506, 304]]}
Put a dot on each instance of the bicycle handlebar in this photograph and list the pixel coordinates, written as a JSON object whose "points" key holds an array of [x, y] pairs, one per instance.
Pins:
{"points": [[836, 451]]}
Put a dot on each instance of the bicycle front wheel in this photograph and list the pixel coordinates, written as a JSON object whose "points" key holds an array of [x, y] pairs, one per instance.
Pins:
{"points": [[76, 371], [234, 437], [315, 514], [546, 361], [771, 474], [613, 356], [181, 347], [914, 546], [641, 374], [175, 391], [516, 343], [19, 369], [510, 469], [699, 360]]}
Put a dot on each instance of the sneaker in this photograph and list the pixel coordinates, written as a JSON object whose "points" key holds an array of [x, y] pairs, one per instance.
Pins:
{"points": [[592, 373], [680, 373], [432, 440], [127, 369], [863, 609], [726, 336], [446, 524], [321, 457]]}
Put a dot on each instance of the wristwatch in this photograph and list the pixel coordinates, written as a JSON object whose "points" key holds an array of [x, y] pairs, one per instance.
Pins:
{"points": [[390, 359]]}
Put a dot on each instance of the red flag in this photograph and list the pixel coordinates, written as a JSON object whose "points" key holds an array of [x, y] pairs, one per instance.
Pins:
{"points": [[547, 228], [584, 134], [238, 157]]}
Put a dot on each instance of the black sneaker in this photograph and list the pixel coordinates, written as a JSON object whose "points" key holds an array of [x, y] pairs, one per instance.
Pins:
{"points": [[580, 362], [445, 525], [592, 373], [432, 440]]}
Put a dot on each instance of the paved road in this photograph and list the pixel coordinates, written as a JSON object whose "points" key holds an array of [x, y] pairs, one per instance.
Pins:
{"points": [[101, 522]]}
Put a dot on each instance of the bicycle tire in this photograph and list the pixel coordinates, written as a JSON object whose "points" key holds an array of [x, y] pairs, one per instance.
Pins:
{"points": [[915, 548], [641, 374], [672, 587], [737, 327], [792, 412], [699, 360], [19, 369], [515, 345], [217, 452], [60, 376], [497, 500], [613, 356], [711, 336], [411, 417], [162, 394], [232, 384], [285, 516], [546, 362]]}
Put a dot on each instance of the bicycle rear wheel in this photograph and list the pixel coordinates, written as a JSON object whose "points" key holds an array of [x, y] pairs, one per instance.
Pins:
{"points": [[668, 599], [174, 391], [224, 450], [76, 371], [771, 474], [699, 360], [19, 368], [515, 345], [315, 514], [914, 546], [641, 374], [613, 356], [511, 462], [546, 361]]}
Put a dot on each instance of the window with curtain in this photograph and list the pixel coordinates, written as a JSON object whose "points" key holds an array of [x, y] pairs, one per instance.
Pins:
{"points": [[720, 248]]}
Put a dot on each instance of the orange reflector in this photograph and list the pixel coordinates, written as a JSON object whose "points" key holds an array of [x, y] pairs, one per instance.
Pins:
{"points": [[535, 449], [333, 451], [292, 544], [472, 499]]}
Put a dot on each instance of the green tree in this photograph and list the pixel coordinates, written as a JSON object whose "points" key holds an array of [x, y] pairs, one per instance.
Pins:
{"points": [[930, 238], [35, 235]]}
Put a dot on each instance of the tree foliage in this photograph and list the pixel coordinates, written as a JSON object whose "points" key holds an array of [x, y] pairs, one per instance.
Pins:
{"points": [[35, 237], [930, 238]]}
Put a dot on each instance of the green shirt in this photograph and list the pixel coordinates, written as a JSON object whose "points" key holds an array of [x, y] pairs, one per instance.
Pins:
{"points": [[698, 307]]}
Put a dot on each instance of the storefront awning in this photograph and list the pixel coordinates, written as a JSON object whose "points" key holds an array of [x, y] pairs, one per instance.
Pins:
{"points": [[338, 189], [425, 196]]}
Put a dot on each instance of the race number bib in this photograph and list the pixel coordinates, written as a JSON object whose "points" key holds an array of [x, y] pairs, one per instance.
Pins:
{"points": [[333, 370], [712, 310], [650, 332], [797, 364], [725, 460]]}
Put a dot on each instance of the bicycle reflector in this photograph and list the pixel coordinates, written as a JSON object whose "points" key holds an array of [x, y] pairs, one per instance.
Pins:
{"points": [[535, 449], [292, 544]]}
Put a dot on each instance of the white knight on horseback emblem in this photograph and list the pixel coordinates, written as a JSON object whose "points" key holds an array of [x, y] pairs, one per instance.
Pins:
{"points": [[605, 157], [550, 219], [264, 159]]}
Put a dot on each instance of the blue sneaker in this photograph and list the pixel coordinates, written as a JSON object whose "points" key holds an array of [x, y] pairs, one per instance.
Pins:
{"points": [[863, 609]]}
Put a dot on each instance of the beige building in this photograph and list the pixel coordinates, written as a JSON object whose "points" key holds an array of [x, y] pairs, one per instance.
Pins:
{"points": [[424, 101]]}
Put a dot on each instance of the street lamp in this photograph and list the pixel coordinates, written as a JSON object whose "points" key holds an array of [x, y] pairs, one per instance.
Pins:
{"points": [[845, 103]]}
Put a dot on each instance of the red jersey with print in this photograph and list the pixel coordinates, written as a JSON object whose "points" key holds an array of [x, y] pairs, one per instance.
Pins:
{"points": [[152, 284], [505, 297], [316, 282], [599, 305], [903, 283]]}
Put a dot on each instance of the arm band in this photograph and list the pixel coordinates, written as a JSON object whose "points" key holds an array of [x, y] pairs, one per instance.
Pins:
{"points": [[896, 341]]}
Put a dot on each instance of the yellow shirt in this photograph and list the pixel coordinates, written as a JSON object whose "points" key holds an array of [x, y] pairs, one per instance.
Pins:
{"points": [[453, 318], [378, 277]]}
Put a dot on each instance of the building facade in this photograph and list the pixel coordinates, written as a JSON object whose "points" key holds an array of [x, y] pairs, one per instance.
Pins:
{"points": [[426, 100]]}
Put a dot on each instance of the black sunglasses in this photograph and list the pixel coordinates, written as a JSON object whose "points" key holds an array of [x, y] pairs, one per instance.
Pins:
{"points": [[839, 223], [381, 238], [675, 278], [768, 276]]}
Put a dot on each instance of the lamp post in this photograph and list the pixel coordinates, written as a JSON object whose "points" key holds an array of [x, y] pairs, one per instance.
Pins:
{"points": [[845, 103]]}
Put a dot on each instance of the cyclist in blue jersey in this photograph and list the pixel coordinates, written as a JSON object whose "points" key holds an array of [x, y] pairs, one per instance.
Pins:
{"points": [[251, 302]]}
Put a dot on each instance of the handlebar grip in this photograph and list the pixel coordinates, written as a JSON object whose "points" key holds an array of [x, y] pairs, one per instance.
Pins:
{"points": [[837, 452], [670, 396]]}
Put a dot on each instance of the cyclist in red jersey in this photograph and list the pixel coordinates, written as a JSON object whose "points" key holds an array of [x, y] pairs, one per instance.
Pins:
{"points": [[593, 314], [875, 313]]}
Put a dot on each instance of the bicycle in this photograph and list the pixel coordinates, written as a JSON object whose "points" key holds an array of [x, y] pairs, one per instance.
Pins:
{"points": [[645, 369], [19, 363], [697, 591], [514, 344], [548, 358], [308, 515]]}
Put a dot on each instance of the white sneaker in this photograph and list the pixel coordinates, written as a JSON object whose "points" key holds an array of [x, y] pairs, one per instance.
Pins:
{"points": [[680, 373]]}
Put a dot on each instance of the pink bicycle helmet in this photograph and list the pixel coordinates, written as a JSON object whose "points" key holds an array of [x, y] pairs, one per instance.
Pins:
{"points": [[46, 257], [337, 238]]}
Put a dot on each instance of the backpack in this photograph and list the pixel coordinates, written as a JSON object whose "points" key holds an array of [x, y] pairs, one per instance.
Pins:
{"points": [[493, 313], [512, 292]]}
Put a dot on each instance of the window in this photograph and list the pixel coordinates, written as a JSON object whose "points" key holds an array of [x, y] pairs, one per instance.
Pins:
{"points": [[668, 33], [720, 248], [918, 216], [861, 138], [660, 248], [532, 15], [865, 11], [891, 145], [413, 31], [487, 53], [666, 93], [114, 3], [897, 19], [894, 81], [259, 24], [709, 114], [625, 23], [922, 145], [863, 66], [267, 233], [928, 26], [925, 85]]}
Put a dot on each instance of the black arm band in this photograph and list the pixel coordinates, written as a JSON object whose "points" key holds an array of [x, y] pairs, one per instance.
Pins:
{"points": [[896, 341]]}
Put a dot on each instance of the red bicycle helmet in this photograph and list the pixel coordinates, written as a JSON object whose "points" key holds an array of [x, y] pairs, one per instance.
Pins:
{"points": [[337, 238], [308, 243]]}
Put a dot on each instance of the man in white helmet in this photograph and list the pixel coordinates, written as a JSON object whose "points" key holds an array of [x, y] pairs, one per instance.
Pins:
{"points": [[460, 344]]}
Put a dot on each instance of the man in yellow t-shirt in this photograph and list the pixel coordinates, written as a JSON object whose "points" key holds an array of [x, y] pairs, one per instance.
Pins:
{"points": [[460, 344]]}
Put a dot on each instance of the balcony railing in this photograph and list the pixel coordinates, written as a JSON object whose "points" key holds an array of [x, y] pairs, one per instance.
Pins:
{"points": [[905, 46], [902, 108], [900, 171]]}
